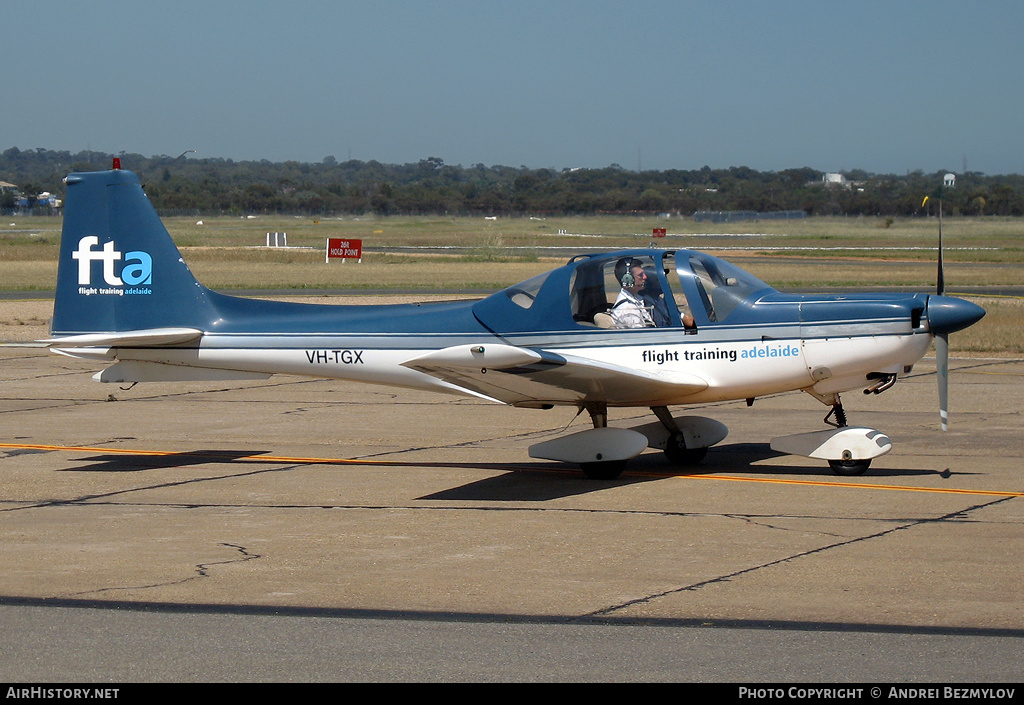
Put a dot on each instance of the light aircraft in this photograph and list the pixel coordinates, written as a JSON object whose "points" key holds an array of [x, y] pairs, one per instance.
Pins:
{"points": [[125, 296]]}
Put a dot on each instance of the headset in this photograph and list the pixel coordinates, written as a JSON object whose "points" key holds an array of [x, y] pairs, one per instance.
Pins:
{"points": [[627, 279]]}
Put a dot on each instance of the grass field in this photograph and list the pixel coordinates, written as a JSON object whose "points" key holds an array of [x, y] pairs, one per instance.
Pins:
{"points": [[483, 255]]}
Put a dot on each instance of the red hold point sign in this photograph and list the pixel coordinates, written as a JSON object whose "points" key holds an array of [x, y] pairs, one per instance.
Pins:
{"points": [[659, 232], [337, 248]]}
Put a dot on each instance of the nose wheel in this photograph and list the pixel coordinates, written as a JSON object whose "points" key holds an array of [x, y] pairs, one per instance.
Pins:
{"points": [[847, 467], [847, 449]]}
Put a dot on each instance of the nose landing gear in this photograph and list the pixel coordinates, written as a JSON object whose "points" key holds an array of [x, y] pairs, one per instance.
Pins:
{"points": [[848, 449]]}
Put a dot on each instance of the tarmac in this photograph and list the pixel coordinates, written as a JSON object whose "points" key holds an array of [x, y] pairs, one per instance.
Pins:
{"points": [[323, 498], [296, 494]]}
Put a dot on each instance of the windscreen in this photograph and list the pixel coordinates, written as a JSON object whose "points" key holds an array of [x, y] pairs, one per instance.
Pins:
{"points": [[722, 285]]}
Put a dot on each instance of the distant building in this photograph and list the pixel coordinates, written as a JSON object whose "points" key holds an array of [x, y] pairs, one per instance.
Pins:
{"points": [[48, 199], [834, 179], [6, 187], [949, 180], [737, 216], [39, 204]]}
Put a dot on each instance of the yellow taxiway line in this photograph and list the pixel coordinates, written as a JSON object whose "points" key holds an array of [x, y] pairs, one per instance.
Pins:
{"points": [[855, 485], [368, 461]]}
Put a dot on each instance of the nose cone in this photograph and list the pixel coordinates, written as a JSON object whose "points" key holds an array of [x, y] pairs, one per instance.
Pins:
{"points": [[948, 314]]}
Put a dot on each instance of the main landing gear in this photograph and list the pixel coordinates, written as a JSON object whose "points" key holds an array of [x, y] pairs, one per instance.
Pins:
{"points": [[676, 448], [603, 467], [602, 452]]}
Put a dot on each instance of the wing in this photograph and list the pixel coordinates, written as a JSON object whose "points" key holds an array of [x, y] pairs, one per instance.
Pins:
{"points": [[528, 377]]}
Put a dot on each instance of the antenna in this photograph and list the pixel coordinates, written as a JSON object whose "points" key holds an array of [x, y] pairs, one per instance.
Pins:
{"points": [[187, 151], [182, 155]]}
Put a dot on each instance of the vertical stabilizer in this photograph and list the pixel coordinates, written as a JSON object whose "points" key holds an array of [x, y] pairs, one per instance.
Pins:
{"points": [[119, 270]]}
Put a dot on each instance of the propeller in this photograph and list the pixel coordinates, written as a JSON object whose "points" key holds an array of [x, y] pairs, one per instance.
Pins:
{"points": [[946, 314]]}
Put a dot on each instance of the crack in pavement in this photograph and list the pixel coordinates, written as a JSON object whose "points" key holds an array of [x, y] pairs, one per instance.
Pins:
{"points": [[89, 500], [958, 514], [201, 571]]}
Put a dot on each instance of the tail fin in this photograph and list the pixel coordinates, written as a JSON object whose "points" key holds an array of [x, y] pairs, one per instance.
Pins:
{"points": [[119, 270]]}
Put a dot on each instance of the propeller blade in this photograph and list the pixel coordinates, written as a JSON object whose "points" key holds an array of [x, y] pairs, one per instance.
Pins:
{"points": [[942, 342], [940, 283], [942, 372], [948, 314]]}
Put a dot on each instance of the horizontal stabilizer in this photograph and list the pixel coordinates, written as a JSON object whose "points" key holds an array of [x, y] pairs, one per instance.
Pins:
{"points": [[142, 371], [152, 337]]}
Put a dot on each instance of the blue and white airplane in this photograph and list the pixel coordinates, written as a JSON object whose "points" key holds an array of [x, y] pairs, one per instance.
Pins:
{"points": [[700, 330]]}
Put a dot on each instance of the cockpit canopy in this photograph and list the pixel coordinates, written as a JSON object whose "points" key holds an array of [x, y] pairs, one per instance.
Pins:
{"points": [[683, 289]]}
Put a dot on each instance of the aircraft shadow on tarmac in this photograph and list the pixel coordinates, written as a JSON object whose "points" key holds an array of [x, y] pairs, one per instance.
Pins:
{"points": [[741, 457], [543, 481], [527, 481], [112, 463]]}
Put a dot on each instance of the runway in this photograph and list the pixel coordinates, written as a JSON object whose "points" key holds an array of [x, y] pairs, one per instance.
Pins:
{"points": [[320, 530]]}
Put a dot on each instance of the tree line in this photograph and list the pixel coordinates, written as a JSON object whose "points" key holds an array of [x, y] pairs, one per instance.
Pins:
{"points": [[431, 187]]}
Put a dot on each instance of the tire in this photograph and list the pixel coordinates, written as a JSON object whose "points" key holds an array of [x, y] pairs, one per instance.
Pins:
{"points": [[678, 454], [849, 468], [607, 470]]}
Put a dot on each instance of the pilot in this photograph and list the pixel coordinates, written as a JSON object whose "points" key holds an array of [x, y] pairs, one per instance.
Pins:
{"points": [[630, 310]]}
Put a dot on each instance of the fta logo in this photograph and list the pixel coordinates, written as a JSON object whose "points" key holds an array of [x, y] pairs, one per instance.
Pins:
{"points": [[137, 266]]}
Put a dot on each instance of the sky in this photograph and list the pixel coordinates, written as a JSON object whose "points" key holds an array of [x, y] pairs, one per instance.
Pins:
{"points": [[885, 86]]}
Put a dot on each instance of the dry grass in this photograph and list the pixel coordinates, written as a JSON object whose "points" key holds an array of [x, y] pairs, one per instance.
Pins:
{"points": [[435, 274], [234, 268], [1004, 234], [998, 333], [226, 253], [784, 273], [28, 275]]}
